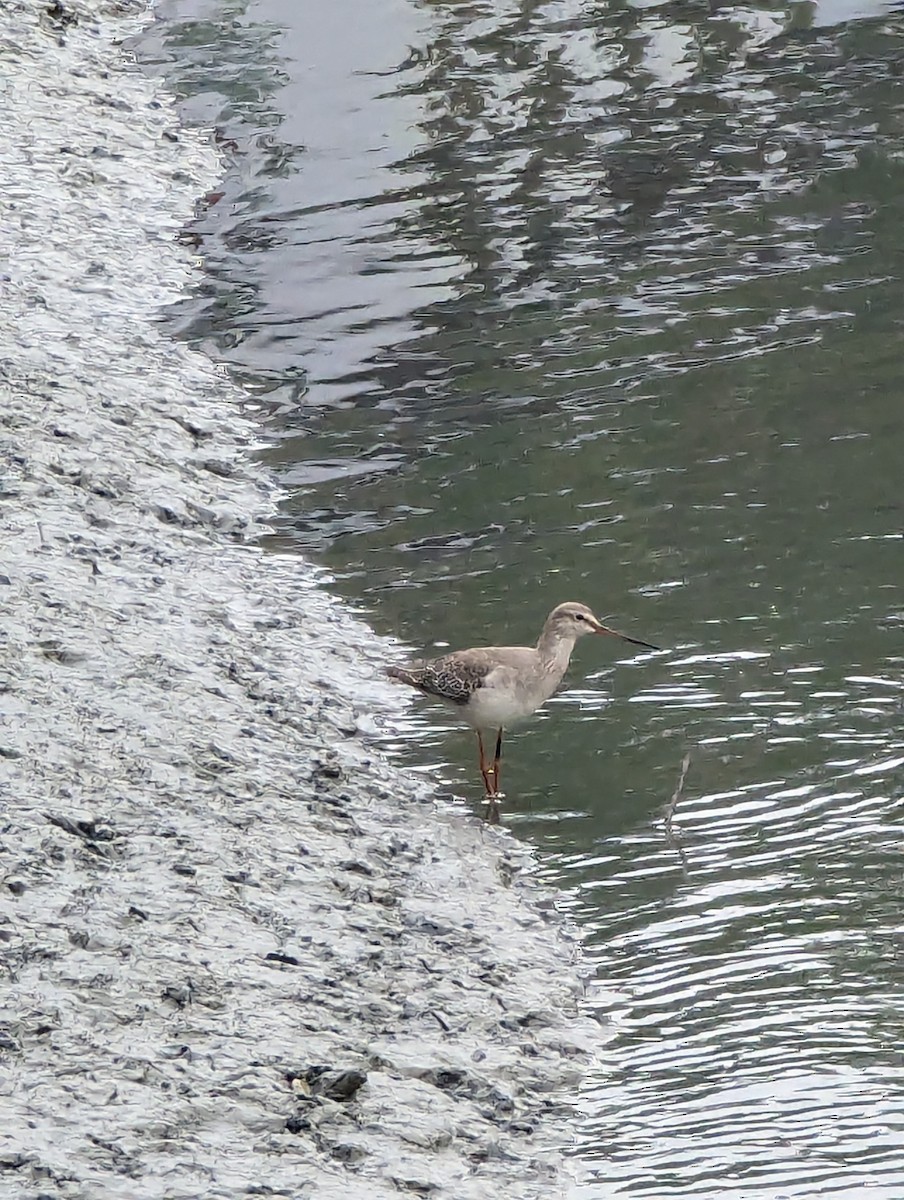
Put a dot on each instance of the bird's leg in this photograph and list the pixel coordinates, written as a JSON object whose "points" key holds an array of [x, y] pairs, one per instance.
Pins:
{"points": [[496, 760], [489, 781], [484, 765]]}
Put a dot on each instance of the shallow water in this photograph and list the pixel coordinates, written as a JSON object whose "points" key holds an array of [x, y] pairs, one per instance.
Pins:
{"points": [[603, 302]]}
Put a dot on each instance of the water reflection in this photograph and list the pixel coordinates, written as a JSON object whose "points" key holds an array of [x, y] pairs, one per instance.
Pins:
{"points": [[755, 984], [602, 302]]}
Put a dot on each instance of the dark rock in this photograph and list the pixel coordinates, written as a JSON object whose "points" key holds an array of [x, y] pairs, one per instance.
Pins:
{"points": [[180, 994], [8, 1042], [357, 868], [60, 15], [58, 653], [225, 470], [276, 956], [89, 830], [445, 1078], [347, 1153], [241, 877], [343, 1086], [334, 1085], [415, 1186]]}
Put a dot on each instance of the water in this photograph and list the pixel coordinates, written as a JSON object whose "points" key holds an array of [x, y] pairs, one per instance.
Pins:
{"points": [[603, 302]]}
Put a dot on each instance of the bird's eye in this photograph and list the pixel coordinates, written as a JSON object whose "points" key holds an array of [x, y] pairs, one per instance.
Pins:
{"points": [[579, 616]]}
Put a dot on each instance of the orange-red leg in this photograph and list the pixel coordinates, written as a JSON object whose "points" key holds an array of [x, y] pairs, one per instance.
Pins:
{"points": [[484, 765], [490, 781]]}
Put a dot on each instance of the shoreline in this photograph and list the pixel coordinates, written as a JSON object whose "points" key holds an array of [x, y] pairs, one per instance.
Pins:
{"points": [[248, 955]]}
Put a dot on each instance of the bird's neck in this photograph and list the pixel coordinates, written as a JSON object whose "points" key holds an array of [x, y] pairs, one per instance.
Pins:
{"points": [[555, 650]]}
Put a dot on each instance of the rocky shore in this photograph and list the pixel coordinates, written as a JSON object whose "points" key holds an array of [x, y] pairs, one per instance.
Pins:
{"points": [[243, 953]]}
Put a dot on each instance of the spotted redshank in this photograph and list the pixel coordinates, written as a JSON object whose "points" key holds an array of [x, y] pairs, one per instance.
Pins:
{"points": [[494, 687]]}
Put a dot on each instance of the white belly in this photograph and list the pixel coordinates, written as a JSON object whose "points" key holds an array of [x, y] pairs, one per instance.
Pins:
{"points": [[500, 707]]}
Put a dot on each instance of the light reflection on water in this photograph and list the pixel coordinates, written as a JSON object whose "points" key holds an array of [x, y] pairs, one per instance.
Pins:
{"points": [[603, 302], [747, 991]]}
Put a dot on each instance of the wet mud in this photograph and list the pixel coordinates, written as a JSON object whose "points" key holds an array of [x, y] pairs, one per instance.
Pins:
{"points": [[242, 953]]}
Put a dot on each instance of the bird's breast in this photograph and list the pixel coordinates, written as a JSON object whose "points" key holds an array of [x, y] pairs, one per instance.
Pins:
{"points": [[505, 700]]}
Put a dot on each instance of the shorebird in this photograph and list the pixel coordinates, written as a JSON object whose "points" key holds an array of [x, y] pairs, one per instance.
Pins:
{"points": [[494, 687]]}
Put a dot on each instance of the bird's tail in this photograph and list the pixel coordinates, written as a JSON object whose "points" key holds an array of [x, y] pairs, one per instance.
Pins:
{"points": [[412, 678]]}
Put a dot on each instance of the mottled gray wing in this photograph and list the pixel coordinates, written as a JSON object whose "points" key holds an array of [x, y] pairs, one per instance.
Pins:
{"points": [[454, 677]]}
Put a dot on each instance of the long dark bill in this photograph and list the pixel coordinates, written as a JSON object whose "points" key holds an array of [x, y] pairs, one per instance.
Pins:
{"points": [[624, 637]]}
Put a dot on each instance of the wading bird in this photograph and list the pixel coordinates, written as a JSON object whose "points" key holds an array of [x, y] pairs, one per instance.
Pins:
{"points": [[494, 687]]}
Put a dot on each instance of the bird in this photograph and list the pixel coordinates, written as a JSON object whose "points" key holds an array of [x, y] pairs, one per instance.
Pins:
{"points": [[495, 687]]}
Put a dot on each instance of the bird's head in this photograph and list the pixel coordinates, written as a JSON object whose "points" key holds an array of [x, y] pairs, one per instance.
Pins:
{"points": [[572, 620]]}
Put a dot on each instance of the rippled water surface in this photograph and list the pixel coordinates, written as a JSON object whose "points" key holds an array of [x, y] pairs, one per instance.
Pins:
{"points": [[603, 301]]}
